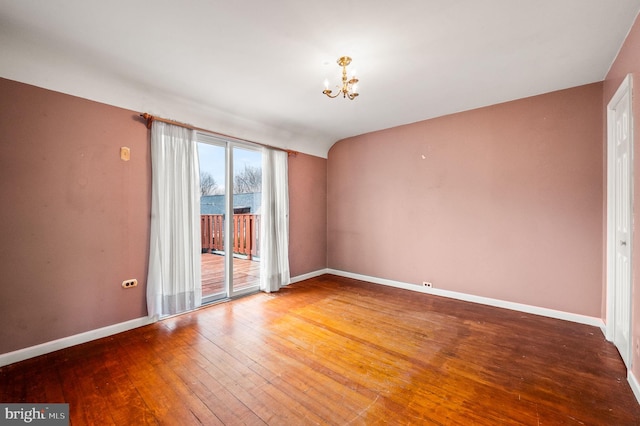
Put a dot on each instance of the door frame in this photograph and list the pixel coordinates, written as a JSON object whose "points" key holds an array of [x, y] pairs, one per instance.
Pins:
{"points": [[625, 87], [229, 144], [231, 289]]}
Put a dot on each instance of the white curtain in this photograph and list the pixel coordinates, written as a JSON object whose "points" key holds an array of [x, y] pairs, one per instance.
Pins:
{"points": [[173, 281], [274, 231]]}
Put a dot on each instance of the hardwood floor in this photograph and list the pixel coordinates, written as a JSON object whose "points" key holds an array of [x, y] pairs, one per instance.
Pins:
{"points": [[332, 350]]}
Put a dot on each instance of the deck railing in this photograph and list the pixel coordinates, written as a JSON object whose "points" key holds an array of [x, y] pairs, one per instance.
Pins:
{"points": [[246, 233]]}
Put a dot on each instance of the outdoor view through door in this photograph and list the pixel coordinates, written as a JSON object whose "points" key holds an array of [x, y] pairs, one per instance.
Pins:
{"points": [[230, 249]]}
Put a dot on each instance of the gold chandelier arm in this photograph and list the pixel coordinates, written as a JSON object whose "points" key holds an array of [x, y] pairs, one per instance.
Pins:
{"points": [[328, 93]]}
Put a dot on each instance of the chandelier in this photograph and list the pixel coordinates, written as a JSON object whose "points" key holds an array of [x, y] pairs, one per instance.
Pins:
{"points": [[349, 87]]}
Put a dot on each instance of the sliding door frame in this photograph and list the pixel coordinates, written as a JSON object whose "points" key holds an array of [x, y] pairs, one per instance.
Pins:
{"points": [[229, 145]]}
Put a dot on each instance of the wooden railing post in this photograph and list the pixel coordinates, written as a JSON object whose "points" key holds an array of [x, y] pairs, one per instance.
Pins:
{"points": [[249, 235], [205, 233]]}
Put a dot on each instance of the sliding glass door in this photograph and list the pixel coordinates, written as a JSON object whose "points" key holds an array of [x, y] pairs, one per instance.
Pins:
{"points": [[212, 212], [231, 187], [247, 202]]}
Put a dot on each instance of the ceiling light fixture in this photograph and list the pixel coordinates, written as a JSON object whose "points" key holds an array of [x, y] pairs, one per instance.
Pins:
{"points": [[349, 87]]}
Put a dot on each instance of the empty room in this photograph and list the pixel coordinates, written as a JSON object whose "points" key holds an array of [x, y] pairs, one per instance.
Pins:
{"points": [[292, 213]]}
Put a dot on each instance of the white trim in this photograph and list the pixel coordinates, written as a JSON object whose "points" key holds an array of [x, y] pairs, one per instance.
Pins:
{"points": [[635, 386], [66, 342], [227, 238], [610, 239], [308, 275], [535, 310]]}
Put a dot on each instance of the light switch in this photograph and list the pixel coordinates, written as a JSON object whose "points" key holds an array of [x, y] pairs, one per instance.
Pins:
{"points": [[125, 153]]}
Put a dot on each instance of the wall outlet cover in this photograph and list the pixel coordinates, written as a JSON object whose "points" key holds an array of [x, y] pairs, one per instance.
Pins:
{"points": [[129, 283]]}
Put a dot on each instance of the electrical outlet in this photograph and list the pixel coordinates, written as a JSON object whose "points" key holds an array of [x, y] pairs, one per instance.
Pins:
{"points": [[129, 283], [427, 284]]}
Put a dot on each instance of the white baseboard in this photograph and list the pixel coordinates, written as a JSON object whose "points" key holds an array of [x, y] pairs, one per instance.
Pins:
{"points": [[635, 386], [309, 275], [581, 319], [65, 342]]}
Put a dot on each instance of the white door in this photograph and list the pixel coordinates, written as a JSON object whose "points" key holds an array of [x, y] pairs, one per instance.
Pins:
{"points": [[619, 198]]}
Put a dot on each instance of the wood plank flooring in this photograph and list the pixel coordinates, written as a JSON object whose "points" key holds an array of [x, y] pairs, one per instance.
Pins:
{"points": [[337, 351], [246, 273]]}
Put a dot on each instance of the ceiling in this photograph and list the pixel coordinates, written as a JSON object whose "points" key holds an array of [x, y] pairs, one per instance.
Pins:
{"points": [[254, 69]]}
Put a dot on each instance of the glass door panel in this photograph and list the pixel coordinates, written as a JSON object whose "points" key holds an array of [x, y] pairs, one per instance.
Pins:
{"points": [[212, 214], [247, 201]]}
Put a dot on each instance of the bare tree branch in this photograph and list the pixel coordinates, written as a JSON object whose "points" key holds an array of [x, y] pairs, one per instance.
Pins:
{"points": [[208, 185], [247, 181]]}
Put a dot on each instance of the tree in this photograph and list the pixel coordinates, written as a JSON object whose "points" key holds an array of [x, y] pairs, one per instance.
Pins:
{"points": [[208, 185], [247, 181]]}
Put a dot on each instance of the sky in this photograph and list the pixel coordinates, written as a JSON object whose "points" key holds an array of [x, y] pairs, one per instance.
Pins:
{"points": [[212, 160]]}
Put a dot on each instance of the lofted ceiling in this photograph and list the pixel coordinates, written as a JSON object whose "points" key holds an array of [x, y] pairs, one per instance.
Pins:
{"points": [[254, 69]]}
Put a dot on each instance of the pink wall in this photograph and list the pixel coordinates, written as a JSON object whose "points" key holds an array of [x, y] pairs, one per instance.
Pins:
{"points": [[502, 202], [75, 218], [628, 62], [308, 214]]}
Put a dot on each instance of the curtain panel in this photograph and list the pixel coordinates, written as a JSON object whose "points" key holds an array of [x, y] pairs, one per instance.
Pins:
{"points": [[174, 281], [274, 265]]}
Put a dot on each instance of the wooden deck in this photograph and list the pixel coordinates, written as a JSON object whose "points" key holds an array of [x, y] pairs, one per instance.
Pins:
{"points": [[246, 273], [336, 351]]}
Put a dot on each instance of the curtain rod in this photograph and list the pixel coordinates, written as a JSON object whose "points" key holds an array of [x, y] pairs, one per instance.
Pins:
{"points": [[151, 118]]}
